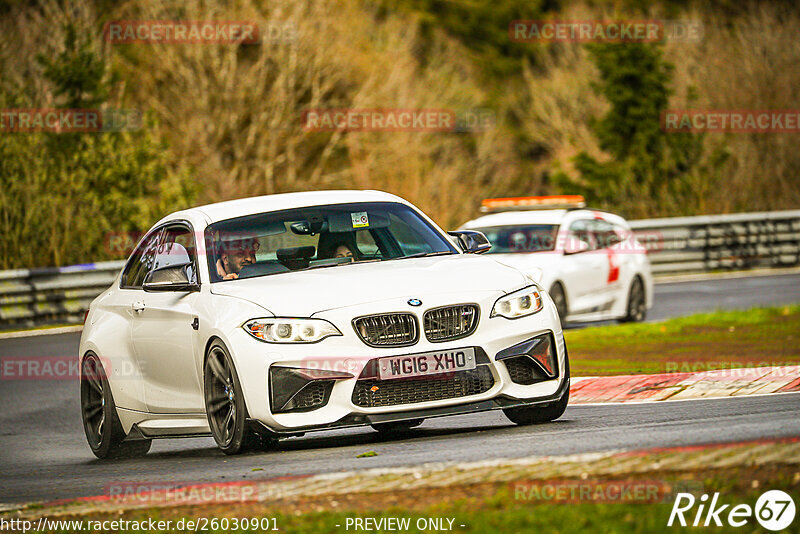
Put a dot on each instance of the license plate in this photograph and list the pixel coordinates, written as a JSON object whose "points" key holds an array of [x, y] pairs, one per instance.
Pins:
{"points": [[428, 363]]}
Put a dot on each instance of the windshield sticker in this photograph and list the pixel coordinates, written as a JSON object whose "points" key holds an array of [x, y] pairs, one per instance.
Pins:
{"points": [[360, 219]]}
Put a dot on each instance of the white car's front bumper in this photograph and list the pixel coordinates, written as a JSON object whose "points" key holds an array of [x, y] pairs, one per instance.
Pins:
{"points": [[347, 353]]}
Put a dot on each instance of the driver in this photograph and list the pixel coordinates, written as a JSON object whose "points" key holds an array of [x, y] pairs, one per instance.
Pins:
{"points": [[234, 255]]}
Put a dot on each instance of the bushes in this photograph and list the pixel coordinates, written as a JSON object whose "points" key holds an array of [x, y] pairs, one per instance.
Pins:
{"points": [[234, 113], [63, 195], [570, 118], [602, 138]]}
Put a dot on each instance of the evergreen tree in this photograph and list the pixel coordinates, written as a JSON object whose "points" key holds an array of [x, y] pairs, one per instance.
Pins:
{"points": [[646, 164]]}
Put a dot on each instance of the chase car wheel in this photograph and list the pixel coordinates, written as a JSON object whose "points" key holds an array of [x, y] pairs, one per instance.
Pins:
{"points": [[637, 307], [225, 406], [101, 423], [560, 300]]}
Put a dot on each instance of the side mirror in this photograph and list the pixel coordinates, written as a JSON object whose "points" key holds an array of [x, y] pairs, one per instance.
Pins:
{"points": [[171, 278], [575, 245], [471, 242]]}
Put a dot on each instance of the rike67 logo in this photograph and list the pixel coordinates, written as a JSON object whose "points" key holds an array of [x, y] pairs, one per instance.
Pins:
{"points": [[774, 510]]}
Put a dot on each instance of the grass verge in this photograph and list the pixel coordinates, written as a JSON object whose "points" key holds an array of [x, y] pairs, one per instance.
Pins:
{"points": [[719, 340], [520, 506]]}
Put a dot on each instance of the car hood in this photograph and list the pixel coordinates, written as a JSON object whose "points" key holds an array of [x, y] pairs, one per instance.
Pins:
{"points": [[304, 293]]}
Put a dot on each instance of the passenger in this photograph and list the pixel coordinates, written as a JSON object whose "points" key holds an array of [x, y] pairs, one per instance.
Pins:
{"points": [[343, 251], [337, 245]]}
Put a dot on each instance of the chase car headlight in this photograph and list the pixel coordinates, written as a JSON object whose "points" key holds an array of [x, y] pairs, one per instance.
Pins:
{"points": [[526, 301], [290, 330]]}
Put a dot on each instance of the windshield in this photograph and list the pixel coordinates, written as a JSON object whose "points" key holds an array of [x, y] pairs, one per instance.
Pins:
{"points": [[521, 238], [321, 236]]}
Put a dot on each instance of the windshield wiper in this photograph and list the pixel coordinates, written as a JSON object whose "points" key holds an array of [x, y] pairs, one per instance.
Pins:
{"points": [[372, 260], [322, 265], [425, 254]]}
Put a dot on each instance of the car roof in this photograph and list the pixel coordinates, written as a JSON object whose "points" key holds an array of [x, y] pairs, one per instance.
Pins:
{"points": [[556, 216], [510, 218], [249, 206]]}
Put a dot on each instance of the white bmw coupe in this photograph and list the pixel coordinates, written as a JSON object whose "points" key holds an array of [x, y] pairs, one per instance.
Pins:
{"points": [[268, 317]]}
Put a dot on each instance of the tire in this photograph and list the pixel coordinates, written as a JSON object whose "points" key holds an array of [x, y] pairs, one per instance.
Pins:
{"points": [[560, 301], [225, 406], [396, 426], [101, 424], [637, 305], [531, 415]]}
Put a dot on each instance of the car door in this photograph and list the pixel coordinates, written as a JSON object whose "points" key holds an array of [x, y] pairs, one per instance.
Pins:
{"points": [[123, 303], [587, 270], [608, 240], [164, 336]]}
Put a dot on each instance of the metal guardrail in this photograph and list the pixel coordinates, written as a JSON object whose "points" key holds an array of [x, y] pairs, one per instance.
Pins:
{"points": [[721, 242], [30, 297]]}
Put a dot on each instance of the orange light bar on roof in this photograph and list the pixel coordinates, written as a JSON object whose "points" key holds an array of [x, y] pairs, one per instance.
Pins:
{"points": [[533, 203]]}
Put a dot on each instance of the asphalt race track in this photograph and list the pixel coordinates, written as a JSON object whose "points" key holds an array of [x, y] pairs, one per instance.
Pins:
{"points": [[44, 455], [676, 299]]}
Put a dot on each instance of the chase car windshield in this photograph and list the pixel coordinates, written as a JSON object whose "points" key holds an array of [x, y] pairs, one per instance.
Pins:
{"points": [[521, 238], [320, 236]]}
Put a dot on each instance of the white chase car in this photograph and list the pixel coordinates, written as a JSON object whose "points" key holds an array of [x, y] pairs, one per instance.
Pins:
{"points": [[265, 317], [588, 260]]}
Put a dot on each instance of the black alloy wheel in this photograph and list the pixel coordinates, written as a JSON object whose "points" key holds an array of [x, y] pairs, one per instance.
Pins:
{"points": [[101, 423], [225, 406]]}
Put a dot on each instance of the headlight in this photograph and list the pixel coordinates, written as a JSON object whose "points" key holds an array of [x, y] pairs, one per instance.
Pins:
{"points": [[289, 330], [520, 303]]}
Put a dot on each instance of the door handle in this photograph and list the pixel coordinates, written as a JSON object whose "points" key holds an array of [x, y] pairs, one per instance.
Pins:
{"points": [[138, 306]]}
